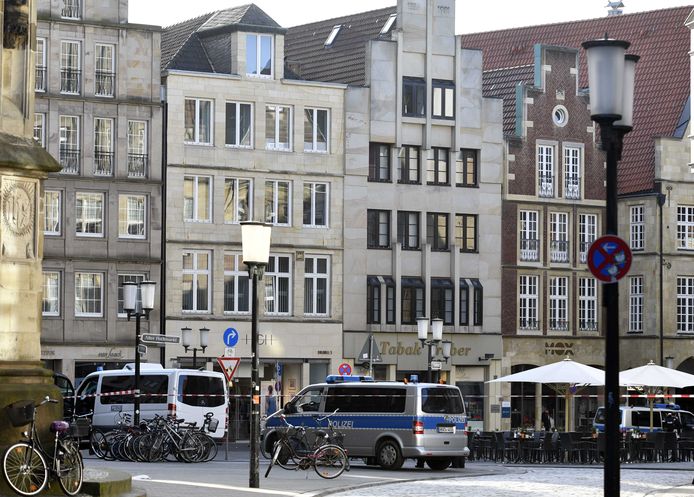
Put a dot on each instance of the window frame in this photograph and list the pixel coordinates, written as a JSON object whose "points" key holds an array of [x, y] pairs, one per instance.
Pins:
{"points": [[195, 272], [559, 236], [69, 71], [71, 6], [587, 234], [274, 275], [137, 152], [56, 213], [272, 217], [312, 204], [637, 227], [416, 90], [446, 89], [375, 219], [685, 304], [405, 165], [41, 127], [259, 55], [587, 304], [414, 294], [477, 302], [558, 305], [463, 303], [196, 200], [46, 292], [238, 121], [69, 142], [373, 300], [441, 300], [112, 72], [314, 146], [685, 227], [92, 195], [128, 221], [467, 167], [100, 313], [434, 163], [433, 222], [197, 124], [376, 166], [404, 237], [529, 314], [462, 228], [636, 295], [237, 274], [104, 145], [41, 65], [546, 162], [275, 145], [573, 160], [528, 226], [311, 281], [234, 206]]}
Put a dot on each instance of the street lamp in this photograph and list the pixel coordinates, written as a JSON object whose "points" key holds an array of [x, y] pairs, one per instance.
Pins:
{"points": [[433, 343], [255, 241], [187, 341], [611, 83], [130, 306]]}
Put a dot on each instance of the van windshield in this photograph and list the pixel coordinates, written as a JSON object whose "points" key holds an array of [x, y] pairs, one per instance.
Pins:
{"points": [[152, 387], [200, 391], [442, 400]]}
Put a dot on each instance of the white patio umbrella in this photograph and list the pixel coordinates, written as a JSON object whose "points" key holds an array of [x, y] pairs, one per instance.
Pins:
{"points": [[564, 377], [651, 378]]}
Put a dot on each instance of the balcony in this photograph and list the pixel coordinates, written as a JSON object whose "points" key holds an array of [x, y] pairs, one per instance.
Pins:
{"points": [[103, 163], [70, 160], [528, 324], [71, 9], [583, 253], [40, 79], [104, 83], [572, 187], [587, 325], [558, 325], [559, 251], [70, 81], [529, 249], [137, 165], [546, 185]]}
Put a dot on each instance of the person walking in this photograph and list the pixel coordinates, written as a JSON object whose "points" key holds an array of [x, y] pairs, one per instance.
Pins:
{"points": [[270, 401], [546, 420]]}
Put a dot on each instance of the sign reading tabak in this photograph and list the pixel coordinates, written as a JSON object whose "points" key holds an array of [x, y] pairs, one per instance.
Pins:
{"points": [[389, 348]]}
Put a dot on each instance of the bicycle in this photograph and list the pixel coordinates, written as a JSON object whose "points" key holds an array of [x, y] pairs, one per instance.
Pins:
{"points": [[24, 463]]}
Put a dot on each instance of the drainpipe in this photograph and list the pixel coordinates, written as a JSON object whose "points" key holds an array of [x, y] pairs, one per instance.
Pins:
{"points": [[661, 201], [162, 294]]}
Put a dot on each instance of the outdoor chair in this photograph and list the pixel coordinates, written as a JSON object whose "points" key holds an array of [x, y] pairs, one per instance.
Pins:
{"points": [[506, 449], [569, 451]]}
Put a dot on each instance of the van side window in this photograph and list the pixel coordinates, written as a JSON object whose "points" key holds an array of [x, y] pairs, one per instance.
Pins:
{"points": [[86, 404], [642, 418], [200, 391], [366, 399], [112, 384], [687, 420], [309, 401], [442, 400]]}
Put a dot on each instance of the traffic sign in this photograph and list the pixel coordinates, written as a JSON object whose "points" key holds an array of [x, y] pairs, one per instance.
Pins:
{"points": [[229, 351], [159, 339], [344, 369], [142, 350], [609, 258], [231, 337], [436, 365], [229, 365]]}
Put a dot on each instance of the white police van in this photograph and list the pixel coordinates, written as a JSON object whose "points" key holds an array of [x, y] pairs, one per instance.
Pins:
{"points": [[383, 422]]}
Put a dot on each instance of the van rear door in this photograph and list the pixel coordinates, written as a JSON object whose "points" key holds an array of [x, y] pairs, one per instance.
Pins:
{"points": [[443, 418], [197, 394]]}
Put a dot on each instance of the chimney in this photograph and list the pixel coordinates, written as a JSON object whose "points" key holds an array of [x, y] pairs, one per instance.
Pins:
{"points": [[615, 8]]}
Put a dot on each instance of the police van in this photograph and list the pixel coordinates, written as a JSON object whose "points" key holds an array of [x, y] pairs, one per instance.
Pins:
{"points": [[638, 417], [383, 422]]}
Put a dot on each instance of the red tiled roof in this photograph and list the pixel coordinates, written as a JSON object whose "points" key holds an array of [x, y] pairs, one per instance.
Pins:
{"points": [[662, 75], [502, 83]]}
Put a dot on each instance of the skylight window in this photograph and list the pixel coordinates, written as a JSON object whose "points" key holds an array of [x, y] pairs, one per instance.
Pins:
{"points": [[388, 24], [332, 35]]}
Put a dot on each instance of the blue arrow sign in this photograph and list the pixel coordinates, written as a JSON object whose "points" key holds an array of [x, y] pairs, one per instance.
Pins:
{"points": [[231, 337]]}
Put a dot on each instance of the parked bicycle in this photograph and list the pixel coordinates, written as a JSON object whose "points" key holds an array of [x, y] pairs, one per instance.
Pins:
{"points": [[24, 464]]}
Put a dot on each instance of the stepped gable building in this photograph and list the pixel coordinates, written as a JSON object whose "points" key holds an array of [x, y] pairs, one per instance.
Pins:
{"points": [[422, 191]]}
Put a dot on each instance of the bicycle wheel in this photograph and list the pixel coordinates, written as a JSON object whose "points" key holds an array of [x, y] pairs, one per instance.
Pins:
{"points": [[284, 456], [70, 468], [24, 469], [98, 443], [329, 461], [276, 449]]}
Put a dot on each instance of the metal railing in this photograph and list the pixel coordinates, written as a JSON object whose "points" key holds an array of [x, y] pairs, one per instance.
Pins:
{"points": [[40, 81], [587, 325], [528, 324], [70, 81], [572, 187], [104, 84], [71, 9], [70, 160], [103, 163], [137, 165], [583, 251], [529, 249], [559, 250], [558, 325], [545, 185]]}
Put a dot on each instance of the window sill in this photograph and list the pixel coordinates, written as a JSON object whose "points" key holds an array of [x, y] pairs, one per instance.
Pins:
{"points": [[84, 235], [276, 149], [465, 185], [429, 183], [98, 95], [238, 147], [409, 182], [411, 249], [195, 221], [373, 180], [199, 144], [237, 313], [316, 226], [133, 238], [463, 251], [195, 312], [259, 76], [319, 152], [414, 119], [52, 235], [443, 121], [378, 248], [50, 315], [89, 316]]}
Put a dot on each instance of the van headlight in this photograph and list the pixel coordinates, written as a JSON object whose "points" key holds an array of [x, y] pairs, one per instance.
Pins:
{"points": [[466, 452]]}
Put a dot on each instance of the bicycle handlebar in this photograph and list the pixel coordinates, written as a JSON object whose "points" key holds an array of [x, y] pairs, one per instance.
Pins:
{"points": [[327, 415]]}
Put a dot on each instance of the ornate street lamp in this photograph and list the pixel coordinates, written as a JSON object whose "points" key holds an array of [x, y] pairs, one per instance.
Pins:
{"points": [[433, 343], [187, 341]]}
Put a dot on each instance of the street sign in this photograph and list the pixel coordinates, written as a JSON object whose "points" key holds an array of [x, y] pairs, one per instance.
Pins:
{"points": [[609, 258], [344, 369], [436, 365], [159, 339], [142, 350], [229, 365], [229, 351], [231, 337]]}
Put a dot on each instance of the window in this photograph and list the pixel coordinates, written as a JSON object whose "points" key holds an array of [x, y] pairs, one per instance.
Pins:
{"points": [[103, 146], [378, 229], [196, 282], [464, 303], [637, 228], [636, 304], [135, 278], [408, 159], [443, 99], [466, 167], [71, 9], [89, 295], [238, 198], [545, 170], [331, 37], [559, 237], [572, 167], [105, 76], [466, 232], [366, 399], [587, 305], [437, 167], [70, 69], [685, 304], [51, 293], [412, 299], [278, 285], [685, 227], [316, 285], [131, 216], [259, 55], [277, 203], [477, 301], [40, 129], [389, 24], [237, 285], [239, 125], [414, 97], [527, 302], [437, 230], [137, 149], [558, 304], [529, 239], [52, 213], [278, 127], [70, 144], [197, 121], [373, 300], [442, 299], [316, 130], [197, 199], [390, 300], [40, 65], [587, 233], [316, 204], [379, 162], [89, 214], [408, 230]]}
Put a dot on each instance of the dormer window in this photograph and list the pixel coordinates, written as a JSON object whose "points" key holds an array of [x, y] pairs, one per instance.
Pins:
{"points": [[388, 25], [333, 34], [259, 55]]}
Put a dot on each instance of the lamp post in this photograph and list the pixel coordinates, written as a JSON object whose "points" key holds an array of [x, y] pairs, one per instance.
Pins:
{"points": [[611, 82], [255, 241], [130, 306], [435, 340], [187, 341]]}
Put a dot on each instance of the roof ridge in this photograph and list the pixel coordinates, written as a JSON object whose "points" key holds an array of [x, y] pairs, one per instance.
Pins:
{"points": [[509, 68], [192, 32], [342, 17], [189, 20]]}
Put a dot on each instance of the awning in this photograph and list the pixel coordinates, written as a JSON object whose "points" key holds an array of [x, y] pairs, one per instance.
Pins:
{"points": [[416, 282], [441, 283], [476, 283]]}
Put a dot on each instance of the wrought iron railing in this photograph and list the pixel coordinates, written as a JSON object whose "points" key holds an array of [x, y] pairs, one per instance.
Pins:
{"points": [[558, 325], [40, 81], [529, 249], [71, 9], [528, 324], [104, 84], [559, 250], [103, 163], [137, 165], [70, 160], [587, 325], [545, 185], [70, 81], [572, 187]]}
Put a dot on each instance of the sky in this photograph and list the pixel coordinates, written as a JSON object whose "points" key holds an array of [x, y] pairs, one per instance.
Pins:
{"points": [[471, 15]]}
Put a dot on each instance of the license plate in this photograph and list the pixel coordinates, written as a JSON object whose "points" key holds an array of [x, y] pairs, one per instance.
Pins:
{"points": [[445, 429]]}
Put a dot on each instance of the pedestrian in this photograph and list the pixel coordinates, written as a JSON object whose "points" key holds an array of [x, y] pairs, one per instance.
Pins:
{"points": [[270, 401], [546, 420]]}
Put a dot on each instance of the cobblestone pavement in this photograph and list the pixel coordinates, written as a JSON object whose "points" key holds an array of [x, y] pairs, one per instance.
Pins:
{"points": [[539, 482]]}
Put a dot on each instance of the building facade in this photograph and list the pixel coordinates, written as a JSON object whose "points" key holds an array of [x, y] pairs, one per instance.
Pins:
{"points": [[98, 111]]}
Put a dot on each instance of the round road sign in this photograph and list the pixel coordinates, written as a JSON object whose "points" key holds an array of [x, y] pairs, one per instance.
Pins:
{"points": [[609, 258], [344, 369], [231, 337]]}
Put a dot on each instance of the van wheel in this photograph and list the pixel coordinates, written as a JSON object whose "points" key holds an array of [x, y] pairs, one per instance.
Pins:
{"points": [[389, 455], [439, 464]]}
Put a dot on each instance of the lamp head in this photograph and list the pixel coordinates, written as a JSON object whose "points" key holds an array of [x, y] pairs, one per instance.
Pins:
{"points": [[186, 336], [255, 242], [204, 337], [605, 60], [129, 297], [422, 328], [147, 291]]}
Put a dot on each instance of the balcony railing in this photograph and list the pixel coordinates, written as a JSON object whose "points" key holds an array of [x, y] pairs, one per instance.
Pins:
{"points": [[137, 165], [572, 187], [529, 249], [529, 324], [559, 250], [104, 84], [71, 9], [583, 252], [103, 163], [70, 81], [587, 325], [40, 82], [70, 160], [546, 185], [558, 325]]}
